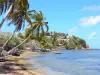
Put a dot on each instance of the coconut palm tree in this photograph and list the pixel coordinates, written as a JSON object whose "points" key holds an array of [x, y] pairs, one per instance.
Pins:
{"points": [[39, 19], [18, 18], [37, 27], [40, 25], [9, 6], [4, 5]]}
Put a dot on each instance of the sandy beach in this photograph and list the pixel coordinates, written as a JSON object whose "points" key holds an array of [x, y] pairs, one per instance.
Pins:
{"points": [[18, 67]]}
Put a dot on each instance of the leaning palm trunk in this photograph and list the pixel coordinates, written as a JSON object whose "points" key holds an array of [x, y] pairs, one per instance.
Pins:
{"points": [[14, 49], [6, 15], [2, 52], [8, 39]]}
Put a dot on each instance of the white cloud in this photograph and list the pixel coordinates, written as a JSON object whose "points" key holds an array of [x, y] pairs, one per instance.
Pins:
{"points": [[90, 21], [74, 29], [91, 8], [92, 35]]}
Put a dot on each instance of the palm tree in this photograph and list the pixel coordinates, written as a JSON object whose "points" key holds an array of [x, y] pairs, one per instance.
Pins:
{"points": [[18, 18], [4, 5], [9, 6], [37, 27], [39, 19]]}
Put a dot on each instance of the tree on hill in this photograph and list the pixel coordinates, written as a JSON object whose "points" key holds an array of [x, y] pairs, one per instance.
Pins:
{"points": [[75, 43], [70, 44], [54, 39], [81, 41]]}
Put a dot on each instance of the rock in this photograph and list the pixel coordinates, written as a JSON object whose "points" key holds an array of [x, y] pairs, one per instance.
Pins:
{"points": [[48, 50], [17, 52], [33, 48], [87, 47], [4, 53], [45, 50]]}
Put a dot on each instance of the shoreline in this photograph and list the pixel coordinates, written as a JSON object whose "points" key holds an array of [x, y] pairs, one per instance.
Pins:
{"points": [[24, 59], [20, 67]]}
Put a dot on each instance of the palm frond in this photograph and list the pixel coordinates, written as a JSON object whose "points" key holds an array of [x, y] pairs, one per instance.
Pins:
{"points": [[5, 5], [30, 12], [1, 6], [47, 27]]}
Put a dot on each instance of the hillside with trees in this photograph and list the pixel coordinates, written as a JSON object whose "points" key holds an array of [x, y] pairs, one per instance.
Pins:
{"points": [[50, 40], [17, 13], [53, 40], [67, 41]]}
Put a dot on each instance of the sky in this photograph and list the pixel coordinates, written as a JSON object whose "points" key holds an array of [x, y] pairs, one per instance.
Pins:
{"points": [[75, 17]]}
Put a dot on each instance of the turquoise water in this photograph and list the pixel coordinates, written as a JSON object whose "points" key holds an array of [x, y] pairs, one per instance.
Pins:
{"points": [[79, 62]]}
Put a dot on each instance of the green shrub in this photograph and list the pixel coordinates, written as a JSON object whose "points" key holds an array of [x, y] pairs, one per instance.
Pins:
{"points": [[14, 41]]}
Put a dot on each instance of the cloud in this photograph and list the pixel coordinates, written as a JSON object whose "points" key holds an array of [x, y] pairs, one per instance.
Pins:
{"points": [[90, 21], [91, 8], [92, 35], [74, 29]]}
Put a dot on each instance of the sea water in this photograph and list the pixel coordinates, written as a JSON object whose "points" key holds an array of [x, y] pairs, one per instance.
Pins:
{"points": [[69, 62]]}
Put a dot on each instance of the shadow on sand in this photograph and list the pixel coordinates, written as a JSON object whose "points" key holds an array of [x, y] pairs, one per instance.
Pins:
{"points": [[11, 67]]}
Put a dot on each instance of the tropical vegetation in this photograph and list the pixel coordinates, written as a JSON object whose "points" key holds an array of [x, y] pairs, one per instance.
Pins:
{"points": [[17, 13]]}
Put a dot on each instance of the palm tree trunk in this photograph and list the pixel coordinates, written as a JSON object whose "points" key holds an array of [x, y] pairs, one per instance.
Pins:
{"points": [[8, 39], [2, 52], [6, 15], [12, 50]]}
